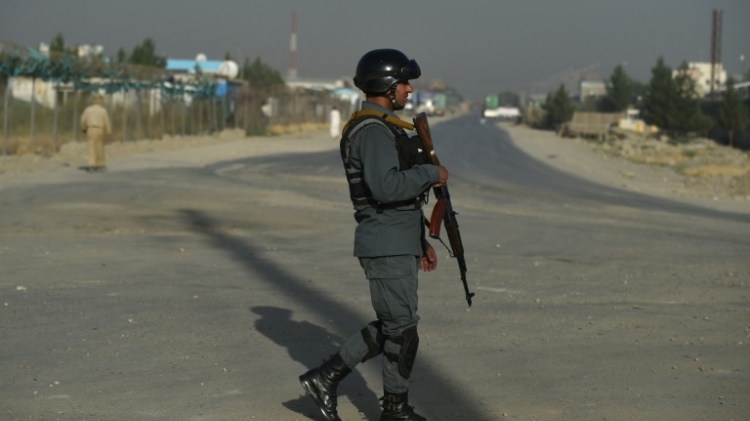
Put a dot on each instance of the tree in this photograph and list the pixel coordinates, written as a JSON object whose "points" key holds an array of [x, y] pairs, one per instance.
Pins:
{"points": [[639, 91], [58, 44], [261, 75], [687, 112], [732, 112], [594, 104], [658, 100], [560, 107], [509, 99], [672, 103], [122, 55], [619, 91], [145, 55]]}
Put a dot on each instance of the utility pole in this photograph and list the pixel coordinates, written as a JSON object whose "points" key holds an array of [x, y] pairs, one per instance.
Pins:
{"points": [[715, 46], [293, 48], [240, 61]]}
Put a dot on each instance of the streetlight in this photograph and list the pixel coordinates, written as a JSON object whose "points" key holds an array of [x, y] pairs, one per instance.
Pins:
{"points": [[742, 62]]}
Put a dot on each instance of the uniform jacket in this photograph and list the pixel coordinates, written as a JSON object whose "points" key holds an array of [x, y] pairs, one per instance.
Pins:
{"points": [[392, 231], [95, 116]]}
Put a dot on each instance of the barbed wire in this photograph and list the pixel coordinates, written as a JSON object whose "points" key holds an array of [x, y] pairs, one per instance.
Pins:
{"points": [[94, 73]]}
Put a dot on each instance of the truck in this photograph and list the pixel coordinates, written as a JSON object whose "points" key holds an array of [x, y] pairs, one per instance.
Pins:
{"points": [[491, 102], [493, 109], [439, 103], [424, 101]]}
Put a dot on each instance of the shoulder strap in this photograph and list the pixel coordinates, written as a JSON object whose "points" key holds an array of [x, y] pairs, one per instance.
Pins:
{"points": [[382, 116]]}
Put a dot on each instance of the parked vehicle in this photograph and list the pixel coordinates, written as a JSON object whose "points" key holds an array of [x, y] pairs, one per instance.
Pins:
{"points": [[493, 109], [439, 104]]}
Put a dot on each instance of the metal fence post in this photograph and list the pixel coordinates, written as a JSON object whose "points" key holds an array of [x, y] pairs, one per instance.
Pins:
{"points": [[75, 114], [247, 110], [214, 117], [171, 110], [138, 131], [124, 116], [223, 120], [191, 117], [162, 103], [54, 121], [6, 103], [182, 115], [200, 116], [33, 112]]}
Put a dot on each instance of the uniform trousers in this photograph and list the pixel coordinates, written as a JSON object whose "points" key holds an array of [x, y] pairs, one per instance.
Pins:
{"points": [[95, 139], [393, 291]]}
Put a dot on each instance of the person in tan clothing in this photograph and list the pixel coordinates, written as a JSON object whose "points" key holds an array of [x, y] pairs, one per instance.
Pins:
{"points": [[95, 123]]}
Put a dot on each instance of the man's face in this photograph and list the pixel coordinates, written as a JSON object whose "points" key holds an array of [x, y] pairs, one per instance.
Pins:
{"points": [[403, 89]]}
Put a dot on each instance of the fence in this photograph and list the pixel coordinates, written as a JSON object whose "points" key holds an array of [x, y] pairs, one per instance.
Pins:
{"points": [[43, 98], [31, 128]]}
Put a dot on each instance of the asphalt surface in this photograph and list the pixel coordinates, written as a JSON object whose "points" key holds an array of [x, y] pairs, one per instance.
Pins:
{"points": [[202, 293]]}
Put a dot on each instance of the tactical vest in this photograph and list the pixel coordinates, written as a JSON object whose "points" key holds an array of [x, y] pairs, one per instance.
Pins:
{"points": [[409, 154]]}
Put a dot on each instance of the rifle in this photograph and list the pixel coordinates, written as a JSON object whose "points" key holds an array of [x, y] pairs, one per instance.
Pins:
{"points": [[443, 210]]}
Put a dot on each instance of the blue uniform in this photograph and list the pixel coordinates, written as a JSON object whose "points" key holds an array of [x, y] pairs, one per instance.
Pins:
{"points": [[388, 242], [392, 231]]}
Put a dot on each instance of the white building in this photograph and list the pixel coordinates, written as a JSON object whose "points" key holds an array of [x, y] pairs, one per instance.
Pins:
{"points": [[317, 84], [701, 73], [48, 94], [44, 93], [591, 88]]}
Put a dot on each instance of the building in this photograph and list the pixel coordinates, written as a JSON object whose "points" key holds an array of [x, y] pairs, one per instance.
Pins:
{"points": [[44, 93], [84, 50], [701, 73], [225, 69], [318, 84], [591, 88], [742, 88], [338, 88]]}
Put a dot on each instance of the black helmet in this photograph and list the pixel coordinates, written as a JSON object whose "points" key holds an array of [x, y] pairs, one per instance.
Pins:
{"points": [[378, 70]]}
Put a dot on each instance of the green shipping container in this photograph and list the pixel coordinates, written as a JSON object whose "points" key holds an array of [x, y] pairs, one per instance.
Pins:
{"points": [[491, 102]]}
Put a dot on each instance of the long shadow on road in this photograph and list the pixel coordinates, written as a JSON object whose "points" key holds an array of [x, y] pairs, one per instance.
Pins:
{"points": [[277, 325], [445, 398]]}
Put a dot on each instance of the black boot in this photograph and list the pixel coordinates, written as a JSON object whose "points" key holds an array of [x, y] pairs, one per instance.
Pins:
{"points": [[396, 408], [321, 384]]}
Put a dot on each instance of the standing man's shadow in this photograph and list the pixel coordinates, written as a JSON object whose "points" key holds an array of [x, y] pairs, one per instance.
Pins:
{"points": [[305, 343]]}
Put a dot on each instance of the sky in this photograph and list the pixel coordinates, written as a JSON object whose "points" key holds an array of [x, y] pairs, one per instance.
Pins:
{"points": [[479, 47]]}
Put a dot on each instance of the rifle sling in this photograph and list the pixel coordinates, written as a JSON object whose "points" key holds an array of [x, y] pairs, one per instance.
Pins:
{"points": [[390, 119]]}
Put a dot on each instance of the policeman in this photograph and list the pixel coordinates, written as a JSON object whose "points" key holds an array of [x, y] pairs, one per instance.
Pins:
{"points": [[95, 123], [388, 179]]}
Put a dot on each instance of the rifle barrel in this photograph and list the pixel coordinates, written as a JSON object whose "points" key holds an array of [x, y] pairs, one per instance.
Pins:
{"points": [[449, 217]]}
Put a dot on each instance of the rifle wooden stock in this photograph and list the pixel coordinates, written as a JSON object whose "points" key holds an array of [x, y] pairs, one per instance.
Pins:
{"points": [[439, 216], [443, 208]]}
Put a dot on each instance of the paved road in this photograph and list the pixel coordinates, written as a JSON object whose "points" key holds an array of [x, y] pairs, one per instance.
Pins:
{"points": [[201, 293]]}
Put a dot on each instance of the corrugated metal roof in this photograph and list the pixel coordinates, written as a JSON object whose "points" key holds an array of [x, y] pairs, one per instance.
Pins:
{"points": [[180, 65]]}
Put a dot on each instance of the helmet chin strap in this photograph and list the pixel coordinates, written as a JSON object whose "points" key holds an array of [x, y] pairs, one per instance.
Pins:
{"points": [[391, 95]]}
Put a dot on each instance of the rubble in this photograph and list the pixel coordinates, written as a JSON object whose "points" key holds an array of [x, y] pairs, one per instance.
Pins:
{"points": [[707, 165]]}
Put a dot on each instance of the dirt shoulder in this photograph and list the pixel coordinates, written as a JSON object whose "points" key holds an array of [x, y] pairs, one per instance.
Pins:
{"points": [[168, 152], [647, 166], [190, 296]]}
